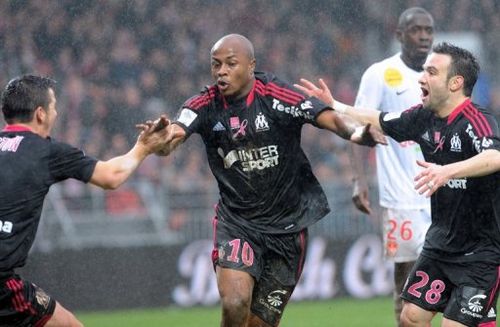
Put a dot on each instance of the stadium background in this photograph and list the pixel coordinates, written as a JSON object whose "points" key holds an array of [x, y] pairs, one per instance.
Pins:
{"points": [[119, 62]]}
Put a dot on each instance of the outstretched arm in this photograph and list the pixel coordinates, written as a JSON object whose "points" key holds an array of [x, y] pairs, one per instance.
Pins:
{"points": [[434, 176], [360, 115], [112, 173]]}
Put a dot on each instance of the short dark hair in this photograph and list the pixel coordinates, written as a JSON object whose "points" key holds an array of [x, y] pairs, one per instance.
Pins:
{"points": [[463, 63], [23, 94]]}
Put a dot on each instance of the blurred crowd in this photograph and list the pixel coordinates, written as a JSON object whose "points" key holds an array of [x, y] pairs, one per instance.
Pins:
{"points": [[119, 62]]}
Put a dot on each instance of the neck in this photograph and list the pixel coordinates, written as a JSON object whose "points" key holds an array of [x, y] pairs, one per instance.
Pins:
{"points": [[414, 63], [450, 105]]}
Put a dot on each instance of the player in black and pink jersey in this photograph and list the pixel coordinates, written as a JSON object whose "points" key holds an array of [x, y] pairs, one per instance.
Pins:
{"points": [[458, 271], [30, 163], [250, 123]]}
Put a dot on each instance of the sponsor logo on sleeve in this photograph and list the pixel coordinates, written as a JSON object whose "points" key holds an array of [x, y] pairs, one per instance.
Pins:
{"points": [[392, 115], [293, 110], [187, 116]]}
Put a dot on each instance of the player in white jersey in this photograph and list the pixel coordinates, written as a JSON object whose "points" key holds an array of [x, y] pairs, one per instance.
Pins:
{"points": [[392, 85]]}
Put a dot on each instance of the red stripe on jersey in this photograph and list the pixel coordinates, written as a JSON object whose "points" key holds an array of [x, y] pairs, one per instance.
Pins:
{"points": [[18, 301], [251, 95], [457, 110], [283, 94], [260, 88], [203, 99], [478, 120]]}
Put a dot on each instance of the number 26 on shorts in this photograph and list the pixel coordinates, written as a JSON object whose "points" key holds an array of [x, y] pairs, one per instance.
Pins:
{"points": [[405, 231]]}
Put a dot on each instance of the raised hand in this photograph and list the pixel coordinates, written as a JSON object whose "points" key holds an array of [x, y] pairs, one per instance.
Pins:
{"points": [[322, 92]]}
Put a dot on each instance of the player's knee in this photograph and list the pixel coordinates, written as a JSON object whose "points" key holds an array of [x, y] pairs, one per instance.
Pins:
{"points": [[409, 317], [235, 303]]}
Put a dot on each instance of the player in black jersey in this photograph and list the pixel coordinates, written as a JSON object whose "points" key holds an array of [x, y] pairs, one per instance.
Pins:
{"points": [[250, 123], [31, 162], [482, 164], [458, 271]]}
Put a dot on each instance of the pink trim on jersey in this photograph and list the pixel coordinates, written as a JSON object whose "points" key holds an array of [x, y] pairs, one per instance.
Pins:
{"points": [[488, 324], [495, 289], [18, 300], [278, 92], [458, 110], [478, 120], [16, 128], [302, 252]]}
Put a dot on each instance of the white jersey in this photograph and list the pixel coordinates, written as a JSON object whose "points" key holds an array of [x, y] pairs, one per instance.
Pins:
{"points": [[390, 85]]}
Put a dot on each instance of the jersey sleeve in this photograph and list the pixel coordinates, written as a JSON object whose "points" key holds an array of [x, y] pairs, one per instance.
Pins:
{"points": [[67, 161], [370, 90], [484, 132], [190, 115], [291, 104], [403, 125]]}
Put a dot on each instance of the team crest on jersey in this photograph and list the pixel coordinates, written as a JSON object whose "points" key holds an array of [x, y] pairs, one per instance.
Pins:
{"points": [[261, 123], [456, 143]]}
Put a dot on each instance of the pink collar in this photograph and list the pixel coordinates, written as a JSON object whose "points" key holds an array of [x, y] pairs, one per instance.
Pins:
{"points": [[16, 128]]}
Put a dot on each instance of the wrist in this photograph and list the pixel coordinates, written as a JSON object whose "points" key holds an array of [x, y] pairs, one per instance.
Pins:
{"points": [[339, 106]]}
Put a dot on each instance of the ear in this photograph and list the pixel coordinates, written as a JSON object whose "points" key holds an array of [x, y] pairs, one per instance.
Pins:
{"points": [[456, 83], [39, 115], [252, 67], [399, 35]]}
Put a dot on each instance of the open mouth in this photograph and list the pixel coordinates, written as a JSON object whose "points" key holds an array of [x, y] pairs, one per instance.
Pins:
{"points": [[425, 93], [222, 85]]}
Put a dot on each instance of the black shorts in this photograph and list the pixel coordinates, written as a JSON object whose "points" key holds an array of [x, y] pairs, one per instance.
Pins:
{"points": [[274, 260], [23, 303], [463, 292]]}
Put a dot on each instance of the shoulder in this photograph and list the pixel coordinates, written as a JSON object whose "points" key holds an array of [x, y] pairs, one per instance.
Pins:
{"points": [[481, 120], [268, 85], [202, 99]]}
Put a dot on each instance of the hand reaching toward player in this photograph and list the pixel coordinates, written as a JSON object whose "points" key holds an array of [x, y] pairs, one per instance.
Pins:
{"points": [[368, 135], [431, 178], [322, 92], [153, 134]]}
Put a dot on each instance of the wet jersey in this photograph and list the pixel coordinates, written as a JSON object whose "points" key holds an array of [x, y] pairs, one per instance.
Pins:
{"points": [[390, 85], [464, 223], [265, 181], [29, 165]]}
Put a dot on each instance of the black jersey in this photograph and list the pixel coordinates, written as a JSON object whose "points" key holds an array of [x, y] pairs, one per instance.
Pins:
{"points": [[29, 165], [464, 222], [253, 147]]}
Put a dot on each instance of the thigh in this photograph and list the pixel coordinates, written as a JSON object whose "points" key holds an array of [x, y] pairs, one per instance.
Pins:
{"points": [[236, 248], [428, 286], [283, 264], [473, 300], [404, 233], [23, 303]]}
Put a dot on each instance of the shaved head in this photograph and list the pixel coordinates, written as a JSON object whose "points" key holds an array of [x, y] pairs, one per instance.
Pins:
{"points": [[237, 42], [409, 14]]}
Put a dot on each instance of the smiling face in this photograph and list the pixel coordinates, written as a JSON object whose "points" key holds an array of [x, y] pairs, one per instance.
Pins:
{"points": [[232, 66], [434, 82]]}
